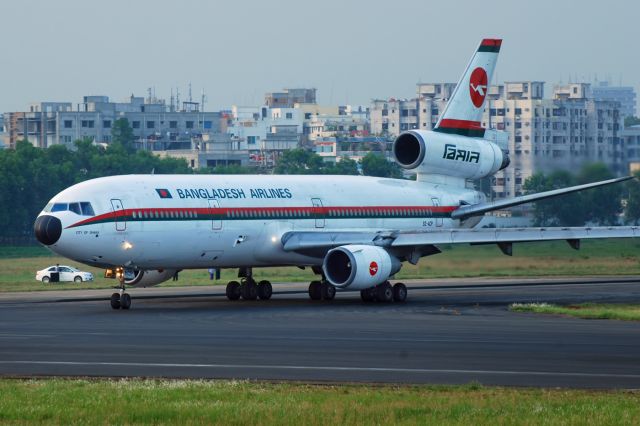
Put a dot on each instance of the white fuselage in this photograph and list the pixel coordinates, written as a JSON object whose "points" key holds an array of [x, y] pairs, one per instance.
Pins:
{"points": [[199, 221]]}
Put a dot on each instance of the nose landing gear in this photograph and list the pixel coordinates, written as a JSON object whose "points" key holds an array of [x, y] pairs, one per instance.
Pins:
{"points": [[120, 300]]}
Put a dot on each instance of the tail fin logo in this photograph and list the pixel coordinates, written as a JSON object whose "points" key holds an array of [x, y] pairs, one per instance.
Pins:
{"points": [[478, 86]]}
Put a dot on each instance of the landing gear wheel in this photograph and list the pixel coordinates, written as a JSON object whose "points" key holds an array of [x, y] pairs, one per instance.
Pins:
{"points": [[384, 292], [368, 294], [265, 290], [315, 290], [328, 291], [249, 290], [233, 290], [125, 301], [115, 300], [399, 292]]}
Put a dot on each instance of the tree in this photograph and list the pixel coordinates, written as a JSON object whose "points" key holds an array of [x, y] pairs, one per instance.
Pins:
{"points": [[377, 165], [559, 211], [632, 209], [122, 135], [299, 162], [631, 121], [346, 166], [600, 206]]}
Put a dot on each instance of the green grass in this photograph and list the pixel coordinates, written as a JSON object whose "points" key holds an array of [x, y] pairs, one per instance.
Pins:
{"points": [[59, 401], [601, 257], [625, 312]]}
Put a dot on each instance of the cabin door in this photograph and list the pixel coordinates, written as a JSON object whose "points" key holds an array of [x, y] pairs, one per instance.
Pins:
{"points": [[118, 209], [216, 215], [437, 213], [318, 212]]}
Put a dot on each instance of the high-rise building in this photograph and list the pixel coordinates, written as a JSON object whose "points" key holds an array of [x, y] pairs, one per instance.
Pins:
{"points": [[625, 95]]}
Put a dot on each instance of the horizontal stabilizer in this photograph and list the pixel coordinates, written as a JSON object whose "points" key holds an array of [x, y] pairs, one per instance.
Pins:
{"points": [[467, 211]]}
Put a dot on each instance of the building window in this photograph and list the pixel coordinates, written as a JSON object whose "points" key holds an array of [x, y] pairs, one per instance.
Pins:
{"points": [[289, 115], [385, 112], [208, 124], [87, 124], [68, 124], [173, 124], [106, 124], [518, 111], [251, 140], [151, 124], [135, 124], [307, 116], [189, 124]]}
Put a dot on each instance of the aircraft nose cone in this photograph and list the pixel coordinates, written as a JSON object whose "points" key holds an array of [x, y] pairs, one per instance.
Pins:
{"points": [[47, 229]]}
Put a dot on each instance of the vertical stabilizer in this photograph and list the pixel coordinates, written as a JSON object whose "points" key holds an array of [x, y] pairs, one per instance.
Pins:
{"points": [[463, 113]]}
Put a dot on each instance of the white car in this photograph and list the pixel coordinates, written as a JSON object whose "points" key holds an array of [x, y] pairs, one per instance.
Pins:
{"points": [[67, 273]]}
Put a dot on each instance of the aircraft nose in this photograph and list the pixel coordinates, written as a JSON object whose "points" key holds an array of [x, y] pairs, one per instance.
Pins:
{"points": [[47, 229]]}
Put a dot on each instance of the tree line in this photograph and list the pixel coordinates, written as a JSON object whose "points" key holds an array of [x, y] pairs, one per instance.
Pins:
{"points": [[609, 205]]}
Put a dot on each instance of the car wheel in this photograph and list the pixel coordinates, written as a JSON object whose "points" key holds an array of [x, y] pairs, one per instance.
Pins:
{"points": [[45, 280], [77, 279]]}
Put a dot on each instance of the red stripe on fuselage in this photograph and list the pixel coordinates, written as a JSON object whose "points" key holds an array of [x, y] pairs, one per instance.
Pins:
{"points": [[226, 211]]}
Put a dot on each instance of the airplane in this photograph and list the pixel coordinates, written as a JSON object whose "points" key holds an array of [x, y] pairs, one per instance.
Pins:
{"points": [[354, 232]]}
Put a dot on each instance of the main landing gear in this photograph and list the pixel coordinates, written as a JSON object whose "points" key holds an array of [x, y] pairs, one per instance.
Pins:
{"points": [[321, 290], [385, 293], [248, 289], [120, 300]]}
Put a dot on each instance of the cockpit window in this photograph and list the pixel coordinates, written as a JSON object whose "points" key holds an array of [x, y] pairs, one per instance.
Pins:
{"points": [[87, 210], [83, 208], [75, 207], [59, 207]]}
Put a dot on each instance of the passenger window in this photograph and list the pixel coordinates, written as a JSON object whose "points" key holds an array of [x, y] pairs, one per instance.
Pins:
{"points": [[87, 210], [74, 207], [59, 207]]}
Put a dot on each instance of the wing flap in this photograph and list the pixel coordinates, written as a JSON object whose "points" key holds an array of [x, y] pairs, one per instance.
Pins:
{"points": [[512, 235]]}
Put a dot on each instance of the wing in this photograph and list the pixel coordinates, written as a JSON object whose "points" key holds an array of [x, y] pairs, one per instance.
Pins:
{"points": [[415, 244]]}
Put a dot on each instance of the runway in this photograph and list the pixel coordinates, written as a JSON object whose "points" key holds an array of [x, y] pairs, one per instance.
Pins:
{"points": [[448, 332]]}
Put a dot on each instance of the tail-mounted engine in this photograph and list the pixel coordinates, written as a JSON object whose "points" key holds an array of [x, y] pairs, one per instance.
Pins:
{"points": [[449, 155], [359, 266]]}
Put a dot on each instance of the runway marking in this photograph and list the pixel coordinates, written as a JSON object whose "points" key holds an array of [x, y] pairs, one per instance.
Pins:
{"points": [[325, 368]]}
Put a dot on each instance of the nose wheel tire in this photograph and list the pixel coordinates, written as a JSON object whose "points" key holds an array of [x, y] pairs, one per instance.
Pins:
{"points": [[399, 292], [265, 290], [120, 302], [233, 290], [115, 300]]}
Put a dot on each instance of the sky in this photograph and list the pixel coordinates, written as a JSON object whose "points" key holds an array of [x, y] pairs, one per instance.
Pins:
{"points": [[350, 50]]}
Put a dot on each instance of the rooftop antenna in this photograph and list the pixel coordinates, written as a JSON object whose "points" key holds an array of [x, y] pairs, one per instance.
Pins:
{"points": [[190, 97], [178, 98], [171, 104], [203, 99]]}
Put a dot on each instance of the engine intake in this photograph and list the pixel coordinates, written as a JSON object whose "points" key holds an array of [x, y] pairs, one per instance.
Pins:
{"points": [[359, 266], [449, 155]]}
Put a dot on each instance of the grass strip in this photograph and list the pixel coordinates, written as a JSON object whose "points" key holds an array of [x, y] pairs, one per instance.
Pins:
{"points": [[185, 402], [602, 257], [625, 312]]}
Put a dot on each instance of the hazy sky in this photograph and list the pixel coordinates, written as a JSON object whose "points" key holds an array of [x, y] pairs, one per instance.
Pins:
{"points": [[351, 51]]}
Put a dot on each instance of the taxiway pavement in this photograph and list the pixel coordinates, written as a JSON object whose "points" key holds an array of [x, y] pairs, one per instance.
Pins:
{"points": [[448, 332]]}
